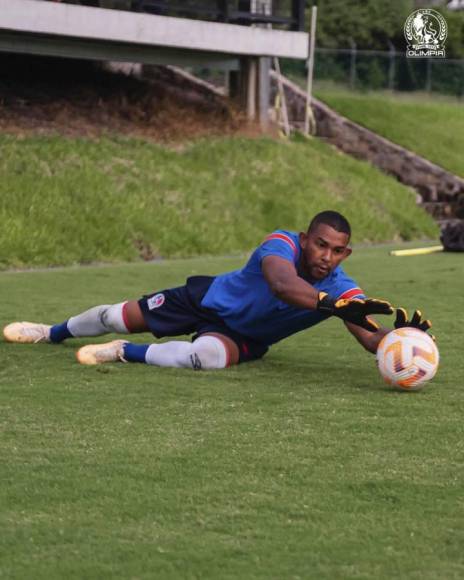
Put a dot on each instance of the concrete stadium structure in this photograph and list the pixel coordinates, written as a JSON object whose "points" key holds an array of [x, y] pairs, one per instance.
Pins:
{"points": [[73, 31]]}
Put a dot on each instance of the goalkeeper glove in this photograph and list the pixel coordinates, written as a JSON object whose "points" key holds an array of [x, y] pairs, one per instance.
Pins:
{"points": [[355, 310], [415, 322]]}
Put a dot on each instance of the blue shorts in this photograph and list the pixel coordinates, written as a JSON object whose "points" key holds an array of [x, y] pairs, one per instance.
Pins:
{"points": [[178, 311]]}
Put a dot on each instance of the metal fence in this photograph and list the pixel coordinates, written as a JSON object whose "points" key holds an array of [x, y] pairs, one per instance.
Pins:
{"points": [[391, 70]]}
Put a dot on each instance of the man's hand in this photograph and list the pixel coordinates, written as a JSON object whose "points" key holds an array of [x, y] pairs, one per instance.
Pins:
{"points": [[355, 310], [415, 322]]}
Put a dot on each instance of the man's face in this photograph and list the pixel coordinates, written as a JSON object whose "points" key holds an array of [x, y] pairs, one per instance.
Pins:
{"points": [[323, 248]]}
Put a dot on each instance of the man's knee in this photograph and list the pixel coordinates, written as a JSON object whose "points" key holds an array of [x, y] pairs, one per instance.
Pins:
{"points": [[208, 352], [112, 318]]}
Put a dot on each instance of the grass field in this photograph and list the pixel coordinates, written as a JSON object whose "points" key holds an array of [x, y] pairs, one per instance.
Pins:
{"points": [[302, 465], [65, 201], [431, 126]]}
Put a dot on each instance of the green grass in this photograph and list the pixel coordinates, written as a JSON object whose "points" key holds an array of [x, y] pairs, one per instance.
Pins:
{"points": [[65, 201], [302, 465], [432, 127]]}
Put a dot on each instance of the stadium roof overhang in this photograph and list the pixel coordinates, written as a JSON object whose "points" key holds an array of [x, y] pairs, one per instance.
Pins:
{"points": [[49, 28]]}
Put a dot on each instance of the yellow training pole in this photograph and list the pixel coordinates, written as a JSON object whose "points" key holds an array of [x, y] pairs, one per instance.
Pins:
{"points": [[417, 251]]}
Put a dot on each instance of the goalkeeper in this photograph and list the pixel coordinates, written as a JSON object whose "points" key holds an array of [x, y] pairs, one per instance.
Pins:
{"points": [[290, 283]]}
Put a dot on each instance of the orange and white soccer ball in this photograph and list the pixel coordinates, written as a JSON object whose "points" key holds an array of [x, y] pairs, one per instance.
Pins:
{"points": [[407, 358]]}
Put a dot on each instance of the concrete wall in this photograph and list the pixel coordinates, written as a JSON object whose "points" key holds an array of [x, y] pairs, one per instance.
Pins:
{"points": [[22, 21]]}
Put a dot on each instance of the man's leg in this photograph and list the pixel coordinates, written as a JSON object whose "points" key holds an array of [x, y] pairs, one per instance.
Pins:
{"points": [[122, 318], [208, 351]]}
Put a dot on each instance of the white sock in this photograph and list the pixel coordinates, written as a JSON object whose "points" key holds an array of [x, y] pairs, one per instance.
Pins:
{"points": [[207, 352], [175, 353], [99, 320]]}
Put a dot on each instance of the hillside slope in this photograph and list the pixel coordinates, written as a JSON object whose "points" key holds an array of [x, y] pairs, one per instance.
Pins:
{"points": [[98, 166], [66, 201], [432, 129]]}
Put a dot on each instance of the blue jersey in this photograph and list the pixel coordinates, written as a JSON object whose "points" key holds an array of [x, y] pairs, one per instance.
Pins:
{"points": [[243, 298]]}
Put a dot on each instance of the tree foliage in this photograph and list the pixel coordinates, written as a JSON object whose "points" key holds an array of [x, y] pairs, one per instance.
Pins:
{"points": [[455, 40], [374, 24]]}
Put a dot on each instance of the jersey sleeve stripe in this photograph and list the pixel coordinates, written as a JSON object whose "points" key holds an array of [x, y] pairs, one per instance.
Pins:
{"points": [[352, 293], [283, 238]]}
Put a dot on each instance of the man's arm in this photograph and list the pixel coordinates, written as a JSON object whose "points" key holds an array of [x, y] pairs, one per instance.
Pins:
{"points": [[285, 284], [369, 340]]}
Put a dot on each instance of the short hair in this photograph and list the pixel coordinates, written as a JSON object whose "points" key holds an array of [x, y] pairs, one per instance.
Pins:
{"points": [[333, 219]]}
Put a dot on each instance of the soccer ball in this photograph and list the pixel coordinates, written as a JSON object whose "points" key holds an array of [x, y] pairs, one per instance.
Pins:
{"points": [[407, 358]]}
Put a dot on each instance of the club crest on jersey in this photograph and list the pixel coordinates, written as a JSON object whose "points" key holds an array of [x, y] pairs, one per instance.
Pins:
{"points": [[155, 301]]}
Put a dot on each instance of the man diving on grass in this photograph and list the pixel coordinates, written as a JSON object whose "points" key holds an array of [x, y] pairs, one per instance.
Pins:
{"points": [[290, 283]]}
